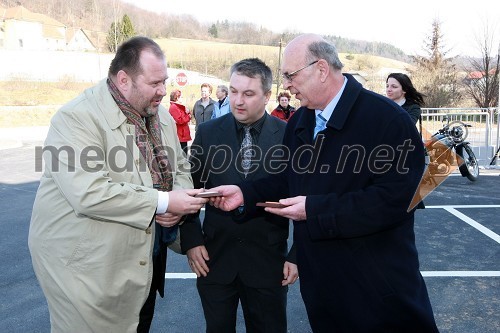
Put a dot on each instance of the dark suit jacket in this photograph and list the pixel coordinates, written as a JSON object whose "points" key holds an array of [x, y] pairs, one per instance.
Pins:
{"points": [[257, 250], [356, 253]]}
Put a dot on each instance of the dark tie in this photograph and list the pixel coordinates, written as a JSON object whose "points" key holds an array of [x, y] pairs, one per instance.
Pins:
{"points": [[246, 151], [320, 124]]}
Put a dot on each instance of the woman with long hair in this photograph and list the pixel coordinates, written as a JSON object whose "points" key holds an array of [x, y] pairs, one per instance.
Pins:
{"points": [[400, 89]]}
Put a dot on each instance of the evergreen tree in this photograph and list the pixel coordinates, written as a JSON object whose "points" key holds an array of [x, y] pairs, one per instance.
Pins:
{"points": [[213, 31], [119, 32], [127, 28], [435, 75]]}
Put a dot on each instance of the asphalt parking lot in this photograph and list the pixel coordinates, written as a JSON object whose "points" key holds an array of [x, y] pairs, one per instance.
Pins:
{"points": [[457, 237]]}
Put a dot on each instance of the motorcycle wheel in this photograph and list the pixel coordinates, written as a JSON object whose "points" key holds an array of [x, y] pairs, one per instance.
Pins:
{"points": [[470, 168]]}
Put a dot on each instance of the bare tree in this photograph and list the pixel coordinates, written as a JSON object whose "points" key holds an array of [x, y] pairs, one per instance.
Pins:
{"points": [[435, 75], [481, 83]]}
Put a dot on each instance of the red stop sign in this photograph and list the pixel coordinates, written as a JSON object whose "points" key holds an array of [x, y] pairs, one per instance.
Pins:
{"points": [[181, 79]]}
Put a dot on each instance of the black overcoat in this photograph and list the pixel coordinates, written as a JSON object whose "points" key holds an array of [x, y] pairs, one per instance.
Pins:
{"points": [[356, 253]]}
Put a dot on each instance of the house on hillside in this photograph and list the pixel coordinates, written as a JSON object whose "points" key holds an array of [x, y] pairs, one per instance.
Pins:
{"points": [[78, 40], [360, 77], [21, 29], [98, 39], [477, 77]]}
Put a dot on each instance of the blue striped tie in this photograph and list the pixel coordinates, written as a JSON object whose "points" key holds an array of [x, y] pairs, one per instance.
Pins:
{"points": [[320, 124]]}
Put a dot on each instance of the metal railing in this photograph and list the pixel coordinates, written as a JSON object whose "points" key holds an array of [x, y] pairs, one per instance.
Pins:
{"points": [[483, 134]]}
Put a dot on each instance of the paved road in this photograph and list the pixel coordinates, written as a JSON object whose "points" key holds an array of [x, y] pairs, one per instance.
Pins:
{"points": [[457, 237]]}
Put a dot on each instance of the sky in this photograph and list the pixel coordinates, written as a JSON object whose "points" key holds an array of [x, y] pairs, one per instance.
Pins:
{"points": [[404, 24]]}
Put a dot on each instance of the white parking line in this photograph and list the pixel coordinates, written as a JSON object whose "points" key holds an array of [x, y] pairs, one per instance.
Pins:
{"points": [[449, 208], [180, 276], [461, 273], [474, 224], [463, 206], [424, 273]]}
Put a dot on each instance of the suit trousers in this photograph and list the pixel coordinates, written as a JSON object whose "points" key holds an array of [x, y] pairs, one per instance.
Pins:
{"points": [[264, 309], [148, 309]]}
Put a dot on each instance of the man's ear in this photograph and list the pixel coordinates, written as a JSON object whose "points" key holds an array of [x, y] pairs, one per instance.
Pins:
{"points": [[123, 80], [324, 69], [267, 96]]}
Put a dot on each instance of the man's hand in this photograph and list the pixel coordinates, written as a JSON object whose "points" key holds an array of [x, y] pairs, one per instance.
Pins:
{"points": [[295, 210], [167, 219], [183, 202], [290, 273], [231, 198], [197, 257]]}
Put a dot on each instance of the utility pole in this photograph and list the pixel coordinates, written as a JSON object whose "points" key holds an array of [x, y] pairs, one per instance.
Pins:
{"points": [[278, 78]]}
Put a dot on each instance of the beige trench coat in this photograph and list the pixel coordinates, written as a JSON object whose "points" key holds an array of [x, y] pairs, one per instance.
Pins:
{"points": [[91, 236]]}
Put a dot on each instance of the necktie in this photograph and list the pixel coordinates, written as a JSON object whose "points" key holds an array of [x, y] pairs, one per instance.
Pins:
{"points": [[320, 124], [246, 151]]}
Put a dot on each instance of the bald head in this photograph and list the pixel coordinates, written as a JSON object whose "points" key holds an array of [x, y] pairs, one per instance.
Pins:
{"points": [[311, 47], [312, 70]]}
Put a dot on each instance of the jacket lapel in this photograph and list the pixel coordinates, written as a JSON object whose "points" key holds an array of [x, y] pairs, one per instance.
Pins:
{"points": [[305, 126], [345, 104], [118, 123], [227, 139]]}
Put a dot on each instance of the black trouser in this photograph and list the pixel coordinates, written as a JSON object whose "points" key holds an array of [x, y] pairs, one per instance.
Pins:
{"points": [[184, 146], [148, 309], [264, 309]]}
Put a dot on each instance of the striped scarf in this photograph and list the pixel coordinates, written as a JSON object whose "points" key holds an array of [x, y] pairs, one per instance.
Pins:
{"points": [[148, 139]]}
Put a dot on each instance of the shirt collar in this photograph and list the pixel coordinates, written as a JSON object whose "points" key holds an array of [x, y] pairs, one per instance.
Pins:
{"points": [[257, 126], [328, 111]]}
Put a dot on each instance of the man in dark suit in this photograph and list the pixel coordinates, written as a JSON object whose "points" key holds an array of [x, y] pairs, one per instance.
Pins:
{"points": [[349, 198], [247, 262]]}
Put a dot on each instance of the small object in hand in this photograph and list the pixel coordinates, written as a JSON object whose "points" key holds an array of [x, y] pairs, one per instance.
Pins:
{"points": [[208, 194], [271, 204]]}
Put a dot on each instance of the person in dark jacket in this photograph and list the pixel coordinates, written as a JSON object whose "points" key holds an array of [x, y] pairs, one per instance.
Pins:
{"points": [[240, 262], [355, 162], [284, 110], [400, 89], [205, 106]]}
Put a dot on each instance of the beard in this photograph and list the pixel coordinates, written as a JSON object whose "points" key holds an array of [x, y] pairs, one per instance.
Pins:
{"points": [[142, 105]]}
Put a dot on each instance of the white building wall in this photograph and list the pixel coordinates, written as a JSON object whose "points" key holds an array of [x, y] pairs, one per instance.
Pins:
{"points": [[23, 35]]}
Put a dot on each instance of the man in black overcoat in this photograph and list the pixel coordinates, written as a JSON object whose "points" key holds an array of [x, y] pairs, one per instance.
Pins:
{"points": [[355, 162]]}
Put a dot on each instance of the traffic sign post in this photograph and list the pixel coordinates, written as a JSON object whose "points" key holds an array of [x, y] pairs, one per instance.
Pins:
{"points": [[181, 79]]}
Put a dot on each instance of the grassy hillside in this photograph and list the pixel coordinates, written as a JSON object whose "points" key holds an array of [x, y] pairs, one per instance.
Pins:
{"points": [[204, 56], [217, 57]]}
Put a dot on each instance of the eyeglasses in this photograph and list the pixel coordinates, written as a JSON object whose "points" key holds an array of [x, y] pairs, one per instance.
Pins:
{"points": [[289, 76]]}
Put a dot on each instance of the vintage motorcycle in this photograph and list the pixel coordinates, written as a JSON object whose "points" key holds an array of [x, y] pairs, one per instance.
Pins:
{"points": [[448, 148]]}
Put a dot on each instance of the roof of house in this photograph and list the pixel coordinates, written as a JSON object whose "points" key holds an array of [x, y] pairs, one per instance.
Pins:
{"points": [[476, 75], [97, 38], [51, 27]]}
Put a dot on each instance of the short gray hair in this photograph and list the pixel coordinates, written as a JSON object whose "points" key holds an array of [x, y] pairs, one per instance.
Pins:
{"points": [[223, 88], [324, 50]]}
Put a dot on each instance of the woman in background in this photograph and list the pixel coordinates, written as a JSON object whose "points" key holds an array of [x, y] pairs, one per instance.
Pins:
{"points": [[284, 110], [400, 89], [182, 117]]}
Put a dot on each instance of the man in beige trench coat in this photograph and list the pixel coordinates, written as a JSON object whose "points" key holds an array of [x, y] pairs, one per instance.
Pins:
{"points": [[93, 225]]}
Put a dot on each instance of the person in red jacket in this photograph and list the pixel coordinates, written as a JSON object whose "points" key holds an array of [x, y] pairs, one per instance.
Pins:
{"points": [[182, 116], [284, 110]]}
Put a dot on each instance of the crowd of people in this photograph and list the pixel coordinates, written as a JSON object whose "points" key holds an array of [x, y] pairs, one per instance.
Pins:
{"points": [[100, 231]]}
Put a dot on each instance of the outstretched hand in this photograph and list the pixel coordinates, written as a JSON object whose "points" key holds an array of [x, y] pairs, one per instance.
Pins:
{"points": [[231, 198], [183, 202], [295, 208]]}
